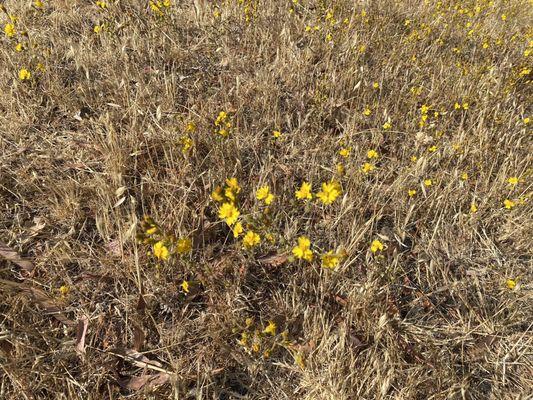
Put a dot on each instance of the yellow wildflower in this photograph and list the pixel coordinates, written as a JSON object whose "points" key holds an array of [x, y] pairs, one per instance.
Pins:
{"points": [[228, 192], [237, 230], [64, 290], [160, 251], [414, 158], [185, 286], [387, 125], [270, 328], [229, 213], [375, 85], [367, 167], [330, 260], [186, 143], [428, 182], [304, 193], [38, 3], [345, 152], [372, 154], [376, 246], [184, 246], [511, 283], [411, 192], [509, 204], [24, 74], [276, 134], [464, 176], [513, 181], [251, 239], [9, 30], [433, 149], [233, 184], [367, 111], [217, 194], [263, 193], [303, 251], [330, 191], [473, 208], [19, 47]]}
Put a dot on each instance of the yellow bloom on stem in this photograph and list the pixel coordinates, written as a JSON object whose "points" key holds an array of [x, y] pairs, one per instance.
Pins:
{"points": [[233, 184], [229, 213], [473, 208], [270, 328], [387, 125], [230, 194], [372, 154], [345, 152], [367, 167], [64, 290], [304, 193], [237, 230], [411, 192], [9, 30], [251, 239], [185, 286], [511, 283], [509, 204], [303, 251], [222, 116], [428, 182], [376, 246], [513, 181], [160, 251], [263, 193], [38, 3], [464, 176], [276, 134], [217, 194], [184, 246], [330, 260], [330, 191], [24, 74]]}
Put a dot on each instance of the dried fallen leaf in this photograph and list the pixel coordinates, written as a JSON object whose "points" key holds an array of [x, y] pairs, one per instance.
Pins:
{"points": [[138, 337], [11, 255], [81, 331], [146, 381], [273, 260]]}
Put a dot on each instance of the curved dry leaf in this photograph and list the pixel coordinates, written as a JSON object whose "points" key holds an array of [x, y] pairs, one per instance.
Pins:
{"points": [[147, 381], [9, 254], [81, 331], [273, 260]]}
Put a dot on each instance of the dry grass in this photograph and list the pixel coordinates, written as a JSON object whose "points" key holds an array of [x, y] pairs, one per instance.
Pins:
{"points": [[92, 142]]}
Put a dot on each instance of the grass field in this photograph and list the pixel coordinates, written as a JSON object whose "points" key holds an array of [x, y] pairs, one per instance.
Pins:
{"points": [[279, 199]]}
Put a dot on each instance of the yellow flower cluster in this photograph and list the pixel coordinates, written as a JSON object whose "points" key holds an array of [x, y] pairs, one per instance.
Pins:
{"points": [[222, 124]]}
